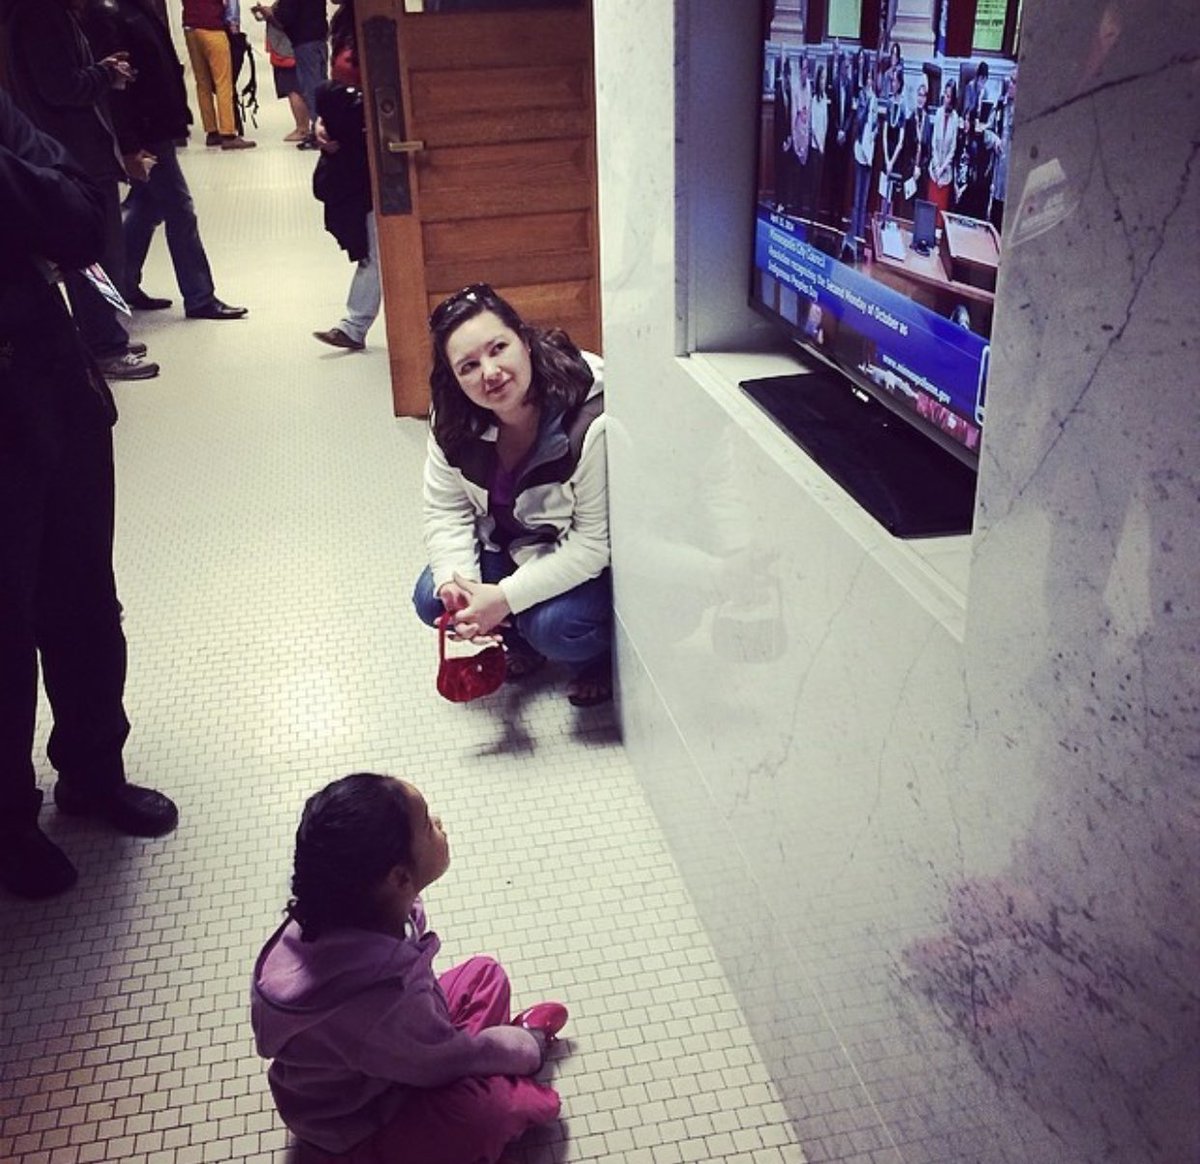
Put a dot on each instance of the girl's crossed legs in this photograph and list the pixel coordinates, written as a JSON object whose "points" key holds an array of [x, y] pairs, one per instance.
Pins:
{"points": [[471, 1120]]}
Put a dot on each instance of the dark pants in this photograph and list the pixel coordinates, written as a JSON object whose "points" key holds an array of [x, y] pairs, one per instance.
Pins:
{"points": [[164, 199], [98, 321], [57, 594]]}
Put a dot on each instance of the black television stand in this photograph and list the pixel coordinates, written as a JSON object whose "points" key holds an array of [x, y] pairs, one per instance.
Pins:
{"points": [[912, 486]]}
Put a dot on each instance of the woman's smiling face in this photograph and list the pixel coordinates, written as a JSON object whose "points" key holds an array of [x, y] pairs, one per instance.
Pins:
{"points": [[491, 363]]}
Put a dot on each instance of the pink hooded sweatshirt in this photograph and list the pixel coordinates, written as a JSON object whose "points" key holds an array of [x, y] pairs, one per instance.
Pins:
{"points": [[353, 1022]]}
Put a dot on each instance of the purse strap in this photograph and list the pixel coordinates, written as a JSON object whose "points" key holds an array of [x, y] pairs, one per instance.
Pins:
{"points": [[444, 620]]}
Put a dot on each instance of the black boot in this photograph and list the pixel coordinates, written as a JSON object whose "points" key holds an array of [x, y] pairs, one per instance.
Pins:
{"points": [[32, 865]]}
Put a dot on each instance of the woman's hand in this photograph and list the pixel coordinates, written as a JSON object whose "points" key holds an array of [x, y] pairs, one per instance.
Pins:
{"points": [[486, 607], [454, 598]]}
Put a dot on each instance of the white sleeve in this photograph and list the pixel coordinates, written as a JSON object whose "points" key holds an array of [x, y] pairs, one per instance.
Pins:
{"points": [[583, 551], [449, 517]]}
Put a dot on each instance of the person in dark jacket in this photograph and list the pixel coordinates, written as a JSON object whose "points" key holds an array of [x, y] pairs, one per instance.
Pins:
{"points": [[307, 27], [57, 593], [342, 181], [149, 116], [64, 91]]}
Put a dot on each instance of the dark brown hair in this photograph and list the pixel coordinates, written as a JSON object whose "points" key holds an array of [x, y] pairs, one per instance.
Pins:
{"points": [[561, 376]]}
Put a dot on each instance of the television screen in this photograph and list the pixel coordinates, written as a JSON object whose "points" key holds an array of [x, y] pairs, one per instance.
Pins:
{"points": [[881, 187]]}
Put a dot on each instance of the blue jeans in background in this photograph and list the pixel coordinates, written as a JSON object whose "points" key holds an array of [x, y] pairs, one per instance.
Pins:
{"points": [[574, 627], [362, 303], [164, 199], [312, 67]]}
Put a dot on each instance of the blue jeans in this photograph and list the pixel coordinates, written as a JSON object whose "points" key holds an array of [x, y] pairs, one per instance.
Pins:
{"points": [[574, 627], [362, 304], [164, 199], [312, 67]]}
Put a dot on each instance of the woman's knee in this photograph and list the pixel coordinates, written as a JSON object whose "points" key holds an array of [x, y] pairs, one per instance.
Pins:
{"points": [[571, 632], [426, 603]]}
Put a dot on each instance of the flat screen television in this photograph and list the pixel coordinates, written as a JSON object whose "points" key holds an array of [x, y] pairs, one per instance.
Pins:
{"points": [[880, 199]]}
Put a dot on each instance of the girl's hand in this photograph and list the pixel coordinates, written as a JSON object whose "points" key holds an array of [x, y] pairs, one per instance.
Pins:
{"points": [[485, 610]]}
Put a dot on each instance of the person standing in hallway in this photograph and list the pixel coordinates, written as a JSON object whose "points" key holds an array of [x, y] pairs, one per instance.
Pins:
{"points": [[206, 28], [307, 27], [64, 92], [342, 181], [58, 597], [149, 117]]}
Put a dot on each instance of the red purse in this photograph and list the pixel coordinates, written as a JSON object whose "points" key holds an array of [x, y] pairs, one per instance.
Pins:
{"points": [[465, 677]]}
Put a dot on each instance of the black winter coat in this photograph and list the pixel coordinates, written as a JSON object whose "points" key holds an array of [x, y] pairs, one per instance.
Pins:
{"points": [[51, 211], [155, 107], [342, 180], [59, 86]]}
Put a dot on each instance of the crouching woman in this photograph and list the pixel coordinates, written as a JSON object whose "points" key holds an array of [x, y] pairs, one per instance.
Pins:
{"points": [[516, 492]]}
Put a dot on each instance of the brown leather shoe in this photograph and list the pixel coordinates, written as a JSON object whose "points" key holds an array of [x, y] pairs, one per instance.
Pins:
{"points": [[336, 338], [237, 143]]}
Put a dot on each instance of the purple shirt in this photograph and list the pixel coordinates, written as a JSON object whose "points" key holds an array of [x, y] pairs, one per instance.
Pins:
{"points": [[353, 1022]]}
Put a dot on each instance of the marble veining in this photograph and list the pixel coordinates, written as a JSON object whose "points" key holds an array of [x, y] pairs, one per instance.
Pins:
{"points": [[950, 873]]}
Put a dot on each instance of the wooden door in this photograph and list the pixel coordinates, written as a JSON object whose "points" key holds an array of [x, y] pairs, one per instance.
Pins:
{"points": [[482, 127]]}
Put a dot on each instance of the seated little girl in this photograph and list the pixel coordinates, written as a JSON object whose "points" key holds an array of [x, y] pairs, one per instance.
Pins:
{"points": [[375, 1059]]}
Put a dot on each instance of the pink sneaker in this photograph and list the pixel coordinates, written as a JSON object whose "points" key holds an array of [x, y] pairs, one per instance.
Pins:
{"points": [[548, 1018]]}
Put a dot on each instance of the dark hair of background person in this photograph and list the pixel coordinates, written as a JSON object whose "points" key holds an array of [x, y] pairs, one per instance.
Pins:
{"points": [[561, 376], [341, 28], [351, 834]]}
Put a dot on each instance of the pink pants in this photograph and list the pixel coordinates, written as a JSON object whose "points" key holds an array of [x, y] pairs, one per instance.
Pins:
{"points": [[471, 1120]]}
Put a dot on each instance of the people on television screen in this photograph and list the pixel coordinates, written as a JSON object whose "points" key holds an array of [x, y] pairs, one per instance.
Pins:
{"points": [[943, 149], [895, 149], [922, 135], [975, 178], [783, 129], [802, 133], [840, 151], [997, 139], [820, 138], [866, 130]]}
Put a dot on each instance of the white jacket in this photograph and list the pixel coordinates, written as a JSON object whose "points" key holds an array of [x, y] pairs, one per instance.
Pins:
{"points": [[560, 503]]}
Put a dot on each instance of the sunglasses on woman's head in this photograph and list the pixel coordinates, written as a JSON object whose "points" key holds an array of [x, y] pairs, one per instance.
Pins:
{"points": [[473, 293]]}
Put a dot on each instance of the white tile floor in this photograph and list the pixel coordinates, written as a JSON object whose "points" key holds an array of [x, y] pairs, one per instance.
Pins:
{"points": [[268, 538]]}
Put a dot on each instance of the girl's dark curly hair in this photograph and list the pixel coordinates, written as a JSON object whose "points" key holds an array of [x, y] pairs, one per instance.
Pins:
{"points": [[561, 376], [351, 834]]}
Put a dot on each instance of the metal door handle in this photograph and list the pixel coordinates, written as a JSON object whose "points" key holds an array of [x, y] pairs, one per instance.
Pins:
{"points": [[405, 147]]}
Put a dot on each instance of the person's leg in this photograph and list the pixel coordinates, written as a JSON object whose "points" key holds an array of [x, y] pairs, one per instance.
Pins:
{"points": [[23, 482], [220, 63], [474, 1118], [141, 215], [478, 994], [188, 256], [103, 333], [31, 865], [362, 303], [575, 627], [427, 604], [299, 113], [78, 617], [194, 38], [312, 61]]}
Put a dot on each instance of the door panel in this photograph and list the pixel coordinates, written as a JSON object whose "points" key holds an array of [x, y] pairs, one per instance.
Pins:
{"points": [[498, 148]]}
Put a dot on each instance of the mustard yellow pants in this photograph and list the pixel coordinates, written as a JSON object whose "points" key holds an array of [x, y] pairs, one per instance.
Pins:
{"points": [[212, 66]]}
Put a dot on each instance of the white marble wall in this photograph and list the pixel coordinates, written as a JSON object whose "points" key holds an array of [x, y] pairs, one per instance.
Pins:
{"points": [[951, 874]]}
